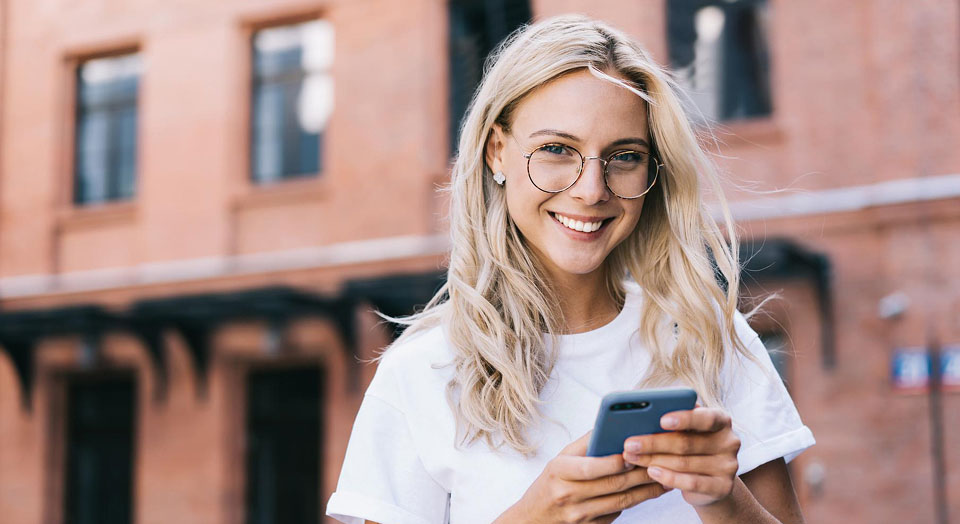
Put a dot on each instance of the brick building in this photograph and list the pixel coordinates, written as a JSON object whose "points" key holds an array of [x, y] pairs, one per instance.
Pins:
{"points": [[201, 202]]}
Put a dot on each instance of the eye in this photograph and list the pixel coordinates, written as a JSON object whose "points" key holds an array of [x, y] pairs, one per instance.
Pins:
{"points": [[628, 157], [556, 149]]}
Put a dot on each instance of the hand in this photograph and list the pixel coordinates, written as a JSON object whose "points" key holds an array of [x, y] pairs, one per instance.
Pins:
{"points": [[698, 457], [574, 488]]}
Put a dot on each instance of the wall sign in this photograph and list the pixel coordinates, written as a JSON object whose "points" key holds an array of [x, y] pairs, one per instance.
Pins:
{"points": [[910, 369], [950, 368]]}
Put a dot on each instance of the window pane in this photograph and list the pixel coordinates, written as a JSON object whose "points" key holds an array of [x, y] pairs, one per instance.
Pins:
{"points": [[292, 99], [92, 141], [268, 133], [106, 129], [127, 126]]}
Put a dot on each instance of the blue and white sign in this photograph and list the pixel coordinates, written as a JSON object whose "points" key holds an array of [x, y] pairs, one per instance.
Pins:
{"points": [[950, 368], [910, 369]]}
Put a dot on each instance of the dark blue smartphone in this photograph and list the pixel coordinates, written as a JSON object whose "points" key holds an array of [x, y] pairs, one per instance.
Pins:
{"points": [[625, 414]]}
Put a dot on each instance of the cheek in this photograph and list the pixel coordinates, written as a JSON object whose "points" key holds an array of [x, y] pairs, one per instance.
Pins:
{"points": [[634, 209], [629, 225], [523, 202]]}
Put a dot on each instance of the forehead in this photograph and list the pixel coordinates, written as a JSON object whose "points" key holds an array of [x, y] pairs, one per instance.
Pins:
{"points": [[583, 105]]}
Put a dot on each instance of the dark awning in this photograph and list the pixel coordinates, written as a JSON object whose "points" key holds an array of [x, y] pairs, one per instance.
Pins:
{"points": [[20, 331], [196, 317]]}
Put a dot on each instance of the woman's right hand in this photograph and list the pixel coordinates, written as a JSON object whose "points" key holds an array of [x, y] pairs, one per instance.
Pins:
{"points": [[574, 488]]}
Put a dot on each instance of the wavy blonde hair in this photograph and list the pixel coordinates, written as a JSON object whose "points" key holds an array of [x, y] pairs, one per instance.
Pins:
{"points": [[497, 305]]}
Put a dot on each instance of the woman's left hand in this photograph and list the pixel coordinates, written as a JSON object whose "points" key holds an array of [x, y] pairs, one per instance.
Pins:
{"points": [[698, 456]]}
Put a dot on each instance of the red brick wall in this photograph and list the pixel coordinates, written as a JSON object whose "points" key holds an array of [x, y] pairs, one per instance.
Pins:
{"points": [[864, 91]]}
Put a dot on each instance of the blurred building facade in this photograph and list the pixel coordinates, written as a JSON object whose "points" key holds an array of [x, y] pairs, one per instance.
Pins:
{"points": [[201, 203]]}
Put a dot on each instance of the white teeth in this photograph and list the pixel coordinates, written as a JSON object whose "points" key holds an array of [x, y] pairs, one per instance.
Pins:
{"points": [[577, 225]]}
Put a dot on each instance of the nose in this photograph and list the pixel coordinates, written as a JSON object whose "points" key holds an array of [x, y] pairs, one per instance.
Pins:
{"points": [[591, 188]]}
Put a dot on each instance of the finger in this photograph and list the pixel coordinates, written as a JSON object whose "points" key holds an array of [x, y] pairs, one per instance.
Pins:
{"points": [[674, 443], [578, 447], [616, 502], [613, 483], [706, 420], [570, 467], [715, 465], [691, 482]]}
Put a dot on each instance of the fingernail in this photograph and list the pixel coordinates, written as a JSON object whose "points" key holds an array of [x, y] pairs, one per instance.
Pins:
{"points": [[654, 471], [632, 446], [668, 422], [628, 466]]}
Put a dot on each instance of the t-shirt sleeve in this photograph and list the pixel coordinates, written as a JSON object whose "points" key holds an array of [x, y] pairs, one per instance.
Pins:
{"points": [[383, 478], [764, 416]]}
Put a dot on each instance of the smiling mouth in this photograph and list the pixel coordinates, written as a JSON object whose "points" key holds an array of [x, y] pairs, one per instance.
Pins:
{"points": [[579, 225]]}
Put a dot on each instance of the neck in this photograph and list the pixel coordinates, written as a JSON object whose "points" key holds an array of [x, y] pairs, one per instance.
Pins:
{"points": [[584, 300]]}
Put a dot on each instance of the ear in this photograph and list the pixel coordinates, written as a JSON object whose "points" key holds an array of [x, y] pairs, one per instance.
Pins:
{"points": [[493, 151]]}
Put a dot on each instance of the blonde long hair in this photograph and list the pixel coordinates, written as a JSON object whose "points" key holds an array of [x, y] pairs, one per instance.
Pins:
{"points": [[496, 305]]}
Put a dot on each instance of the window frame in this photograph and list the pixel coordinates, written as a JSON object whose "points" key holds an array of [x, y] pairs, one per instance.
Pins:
{"points": [[237, 365], [748, 121], [251, 28], [54, 383], [73, 61], [323, 404]]}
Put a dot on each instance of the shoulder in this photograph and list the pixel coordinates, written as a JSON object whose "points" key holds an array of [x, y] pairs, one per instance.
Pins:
{"points": [[422, 362], [744, 332], [750, 341], [412, 381], [423, 349], [752, 369]]}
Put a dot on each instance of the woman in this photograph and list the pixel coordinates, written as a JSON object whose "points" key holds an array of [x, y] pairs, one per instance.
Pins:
{"points": [[583, 262]]}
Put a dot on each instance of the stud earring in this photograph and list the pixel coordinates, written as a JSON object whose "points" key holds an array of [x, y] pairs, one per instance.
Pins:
{"points": [[499, 178]]}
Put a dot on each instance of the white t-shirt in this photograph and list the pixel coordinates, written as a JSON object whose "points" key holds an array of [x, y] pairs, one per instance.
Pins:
{"points": [[403, 467]]}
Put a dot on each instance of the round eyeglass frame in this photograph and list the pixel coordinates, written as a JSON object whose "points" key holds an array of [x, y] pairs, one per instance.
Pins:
{"points": [[583, 161]]}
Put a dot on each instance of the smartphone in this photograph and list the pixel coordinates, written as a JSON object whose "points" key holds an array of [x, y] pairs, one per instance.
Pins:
{"points": [[625, 414]]}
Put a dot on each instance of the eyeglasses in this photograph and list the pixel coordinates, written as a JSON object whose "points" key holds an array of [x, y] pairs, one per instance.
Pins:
{"points": [[554, 168]]}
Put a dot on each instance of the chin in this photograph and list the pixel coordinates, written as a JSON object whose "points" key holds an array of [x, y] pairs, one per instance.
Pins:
{"points": [[577, 267]]}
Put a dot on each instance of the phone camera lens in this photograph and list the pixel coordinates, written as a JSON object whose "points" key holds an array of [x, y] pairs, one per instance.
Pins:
{"points": [[623, 406]]}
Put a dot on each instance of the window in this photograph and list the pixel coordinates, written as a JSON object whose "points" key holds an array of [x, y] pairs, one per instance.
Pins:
{"points": [[292, 99], [106, 129], [99, 447], [283, 446], [719, 50], [476, 27]]}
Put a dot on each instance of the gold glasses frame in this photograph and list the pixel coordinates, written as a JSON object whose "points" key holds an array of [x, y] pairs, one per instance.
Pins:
{"points": [[656, 164]]}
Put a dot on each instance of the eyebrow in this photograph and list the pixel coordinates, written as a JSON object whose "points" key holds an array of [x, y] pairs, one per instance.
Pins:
{"points": [[568, 136]]}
